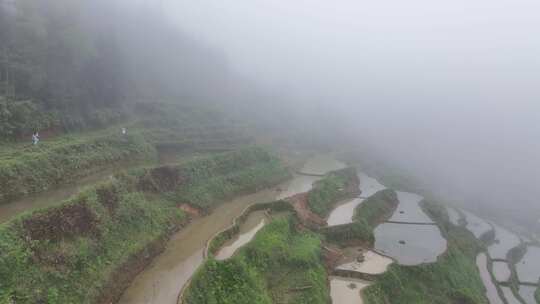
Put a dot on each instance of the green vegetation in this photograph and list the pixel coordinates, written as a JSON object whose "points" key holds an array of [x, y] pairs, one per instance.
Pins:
{"points": [[60, 70], [332, 188], [377, 208], [349, 234], [73, 252], [224, 236], [280, 265], [205, 182], [27, 169], [537, 295], [374, 210], [454, 278], [33, 169], [68, 254]]}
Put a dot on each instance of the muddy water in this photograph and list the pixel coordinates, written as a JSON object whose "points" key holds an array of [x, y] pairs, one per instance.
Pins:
{"points": [[527, 293], [248, 229], [373, 263], [501, 271], [476, 225], [321, 164], [504, 241], [408, 209], [509, 296], [299, 184], [162, 281], [346, 291], [491, 290], [528, 269], [422, 243], [343, 214]]}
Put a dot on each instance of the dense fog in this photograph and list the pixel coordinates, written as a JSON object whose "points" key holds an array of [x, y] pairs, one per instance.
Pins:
{"points": [[449, 90]]}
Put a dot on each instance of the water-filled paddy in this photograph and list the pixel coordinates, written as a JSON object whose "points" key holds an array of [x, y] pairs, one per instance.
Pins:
{"points": [[321, 164], [509, 296], [528, 269], [410, 244], [454, 215], [491, 290], [501, 271], [527, 293], [369, 185], [409, 210], [373, 263], [343, 213], [299, 184], [248, 229], [504, 241], [346, 291], [476, 225]]}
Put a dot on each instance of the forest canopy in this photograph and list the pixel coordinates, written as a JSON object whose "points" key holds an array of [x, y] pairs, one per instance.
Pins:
{"points": [[64, 62]]}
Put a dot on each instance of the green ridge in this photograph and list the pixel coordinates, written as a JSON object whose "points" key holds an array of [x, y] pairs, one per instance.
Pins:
{"points": [[280, 265]]}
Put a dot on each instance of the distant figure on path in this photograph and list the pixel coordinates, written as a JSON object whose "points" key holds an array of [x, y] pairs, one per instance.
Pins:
{"points": [[35, 138], [124, 131]]}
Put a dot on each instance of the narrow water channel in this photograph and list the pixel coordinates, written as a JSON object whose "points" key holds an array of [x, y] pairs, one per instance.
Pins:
{"points": [[491, 290], [343, 214], [162, 281], [248, 229]]}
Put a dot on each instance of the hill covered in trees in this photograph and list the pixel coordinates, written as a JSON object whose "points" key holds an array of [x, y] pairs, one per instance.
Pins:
{"points": [[77, 64]]}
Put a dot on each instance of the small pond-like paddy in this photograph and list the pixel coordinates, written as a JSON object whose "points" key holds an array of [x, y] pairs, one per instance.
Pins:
{"points": [[409, 210], [476, 225], [528, 269], [527, 293], [504, 241], [373, 263], [410, 244], [501, 271], [346, 291], [321, 164]]}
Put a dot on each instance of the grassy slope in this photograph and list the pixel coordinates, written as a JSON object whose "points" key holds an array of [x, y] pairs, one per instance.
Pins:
{"points": [[67, 254], [26, 169], [329, 190], [267, 270], [537, 295], [35, 169], [377, 207], [454, 278]]}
